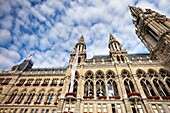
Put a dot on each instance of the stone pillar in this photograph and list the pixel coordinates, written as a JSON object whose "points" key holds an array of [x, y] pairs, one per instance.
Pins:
{"points": [[60, 107], [95, 96], [77, 106]]}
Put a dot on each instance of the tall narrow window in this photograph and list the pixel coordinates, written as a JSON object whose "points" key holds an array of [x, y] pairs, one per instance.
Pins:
{"points": [[54, 111], [113, 108], [25, 111], [129, 86], [100, 88], [88, 89], [147, 88], [49, 98], [160, 88], [12, 97], [32, 110], [133, 108], [39, 98], [112, 88], [21, 97], [30, 98]]}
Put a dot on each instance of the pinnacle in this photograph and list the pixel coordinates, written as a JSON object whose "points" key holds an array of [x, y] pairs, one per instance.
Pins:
{"points": [[81, 40]]}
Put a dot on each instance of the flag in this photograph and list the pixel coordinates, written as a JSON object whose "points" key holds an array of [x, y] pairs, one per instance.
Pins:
{"points": [[73, 70]]}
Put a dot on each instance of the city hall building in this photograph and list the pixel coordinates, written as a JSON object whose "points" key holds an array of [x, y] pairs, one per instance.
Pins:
{"points": [[113, 83]]}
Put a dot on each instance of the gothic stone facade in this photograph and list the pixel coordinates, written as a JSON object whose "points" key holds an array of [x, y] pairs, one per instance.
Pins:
{"points": [[114, 83]]}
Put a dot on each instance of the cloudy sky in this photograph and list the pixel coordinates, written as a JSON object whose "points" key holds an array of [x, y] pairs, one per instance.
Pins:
{"points": [[51, 28]]}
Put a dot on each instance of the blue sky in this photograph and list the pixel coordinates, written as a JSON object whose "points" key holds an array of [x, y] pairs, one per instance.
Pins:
{"points": [[51, 28]]}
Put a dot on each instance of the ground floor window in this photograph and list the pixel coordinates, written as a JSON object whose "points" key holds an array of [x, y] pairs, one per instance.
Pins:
{"points": [[102, 108], [88, 108], [157, 108]]}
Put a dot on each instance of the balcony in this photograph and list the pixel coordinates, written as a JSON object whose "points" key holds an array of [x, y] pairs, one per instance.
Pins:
{"points": [[71, 96], [133, 96]]}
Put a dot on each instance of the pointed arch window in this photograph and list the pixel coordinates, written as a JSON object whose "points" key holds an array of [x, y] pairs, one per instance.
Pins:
{"points": [[147, 88], [57, 98], [21, 97], [30, 98], [100, 88], [39, 98], [88, 88], [12, 97], [129, 86], [49, 98], [112, 88], [160, 88]]}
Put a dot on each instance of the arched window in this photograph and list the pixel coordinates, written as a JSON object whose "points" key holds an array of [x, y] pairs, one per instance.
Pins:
{"points": [[160, 88], [88, 88], [75, 87], [30, 97], [129, 86], [125, 73], [110, 74], [100, 88], [49, 97], [21, 97], [89, 75], [57, 97], [12, 97], [99, 74], [112, 88], [40, 97], [152, 73], [147, 88], [168, 82]]}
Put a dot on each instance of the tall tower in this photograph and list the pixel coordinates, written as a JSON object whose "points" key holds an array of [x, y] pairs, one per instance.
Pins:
{"points": [[153, 29], [117, 52], [82, 51]]}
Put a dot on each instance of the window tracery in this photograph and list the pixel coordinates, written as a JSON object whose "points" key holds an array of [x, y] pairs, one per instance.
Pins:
{"points": [[160, 88], [125, 73], [112, 88], [100, 88], [140, 73], [152, 73], [99, 74], [12, 97], [147, 88], [129, 86], [89, 88], [110, 74]]}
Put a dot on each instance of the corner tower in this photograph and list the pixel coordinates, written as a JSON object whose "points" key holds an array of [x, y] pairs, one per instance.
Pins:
{"points": [[117, 52], [153, 29], [82, 51]]}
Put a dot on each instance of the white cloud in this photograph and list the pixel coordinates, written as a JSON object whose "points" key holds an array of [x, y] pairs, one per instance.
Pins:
{"points": [[5, 36], [52, 28]]}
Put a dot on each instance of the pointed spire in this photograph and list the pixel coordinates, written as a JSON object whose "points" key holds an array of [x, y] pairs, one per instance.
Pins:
{"points": [[112, 38], [135, 11], [81, 40]]}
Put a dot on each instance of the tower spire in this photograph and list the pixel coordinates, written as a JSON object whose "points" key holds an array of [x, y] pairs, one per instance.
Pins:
{"points": [[117, 51], [153, 30], [82, 51]]}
